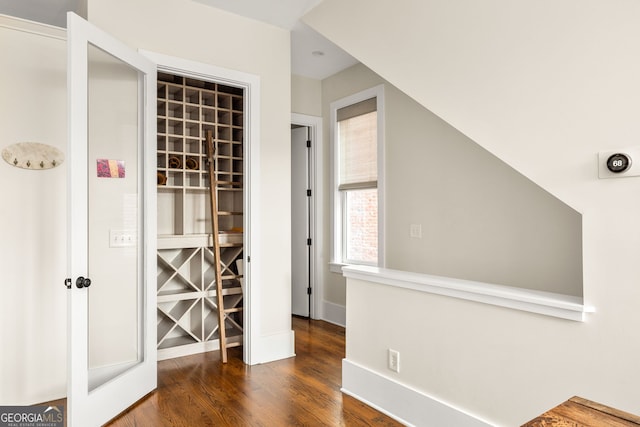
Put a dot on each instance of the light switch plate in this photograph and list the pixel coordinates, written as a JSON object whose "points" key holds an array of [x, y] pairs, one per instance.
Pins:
{"points": [[122, 238]]}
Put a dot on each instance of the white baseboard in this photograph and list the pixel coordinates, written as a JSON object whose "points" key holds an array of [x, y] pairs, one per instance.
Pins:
{"points": [[334, 313], [273, 347], [402, 403]]}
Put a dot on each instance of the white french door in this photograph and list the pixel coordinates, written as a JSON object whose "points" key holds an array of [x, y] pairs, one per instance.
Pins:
{"points": [[112, 226]]}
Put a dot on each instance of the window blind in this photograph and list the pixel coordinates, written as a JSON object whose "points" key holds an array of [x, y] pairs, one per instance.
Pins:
{"points": [[357, 109], [358, 150]]}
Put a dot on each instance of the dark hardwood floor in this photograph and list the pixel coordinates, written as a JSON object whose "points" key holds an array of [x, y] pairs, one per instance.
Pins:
{"points": [[301, 391]]}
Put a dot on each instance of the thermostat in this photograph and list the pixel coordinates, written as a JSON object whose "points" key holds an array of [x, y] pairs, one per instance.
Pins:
{"points": [[618, 162]]}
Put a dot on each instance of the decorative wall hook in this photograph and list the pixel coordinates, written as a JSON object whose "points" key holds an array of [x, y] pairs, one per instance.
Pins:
{"points": [[32, 155]]}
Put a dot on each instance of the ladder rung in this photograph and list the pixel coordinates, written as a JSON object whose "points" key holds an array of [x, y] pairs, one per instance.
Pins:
{"points": [[232, 310], [230, 245], [233, 344], [231, 183], [226, 213]]}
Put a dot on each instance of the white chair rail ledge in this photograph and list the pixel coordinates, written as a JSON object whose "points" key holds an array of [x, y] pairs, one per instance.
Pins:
{"points": [[545, 303]]}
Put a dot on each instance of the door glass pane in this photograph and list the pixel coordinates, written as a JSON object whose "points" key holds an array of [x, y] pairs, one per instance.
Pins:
{"points": [[361, 226], [115, 294]]}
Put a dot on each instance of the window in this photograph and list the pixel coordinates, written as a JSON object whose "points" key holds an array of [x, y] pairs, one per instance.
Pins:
{"points": [[357, 134]]}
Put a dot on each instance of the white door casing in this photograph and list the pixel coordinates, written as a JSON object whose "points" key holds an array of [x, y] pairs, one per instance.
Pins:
{"points": [[300, 223], [255, 350]]}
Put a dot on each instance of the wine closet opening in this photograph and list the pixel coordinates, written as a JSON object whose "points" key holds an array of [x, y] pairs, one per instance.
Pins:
{"points": [[187, 310]]}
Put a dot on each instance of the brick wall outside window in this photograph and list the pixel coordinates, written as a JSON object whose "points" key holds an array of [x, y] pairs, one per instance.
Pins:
{"points": [[362, 225]]}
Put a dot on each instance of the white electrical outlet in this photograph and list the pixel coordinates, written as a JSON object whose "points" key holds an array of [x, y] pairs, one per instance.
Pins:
{"points": [[415, 231], [394, 360]]}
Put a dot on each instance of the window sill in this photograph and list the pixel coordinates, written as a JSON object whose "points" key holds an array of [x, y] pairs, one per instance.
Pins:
{"points": [[545, 303], [336, 267]]}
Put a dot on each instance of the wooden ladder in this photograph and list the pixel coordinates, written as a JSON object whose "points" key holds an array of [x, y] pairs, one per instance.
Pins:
{"points": [[213, 185]]}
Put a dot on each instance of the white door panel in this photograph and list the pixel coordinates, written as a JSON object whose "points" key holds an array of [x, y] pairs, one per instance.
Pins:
{"points": [[111, 301]]}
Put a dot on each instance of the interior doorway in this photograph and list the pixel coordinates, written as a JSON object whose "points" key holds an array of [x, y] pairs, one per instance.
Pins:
{"points": [[306, 285], [237, 122]]}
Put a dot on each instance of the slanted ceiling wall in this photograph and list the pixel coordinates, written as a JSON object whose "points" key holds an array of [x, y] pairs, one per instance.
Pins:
{"points": [[544, 86]]}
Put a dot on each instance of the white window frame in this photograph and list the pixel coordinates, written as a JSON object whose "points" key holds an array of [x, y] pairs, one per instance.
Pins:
{"points": [[337, 199]]}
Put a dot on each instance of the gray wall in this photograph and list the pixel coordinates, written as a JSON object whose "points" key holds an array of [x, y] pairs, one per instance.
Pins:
{"points": [[481, 220]]}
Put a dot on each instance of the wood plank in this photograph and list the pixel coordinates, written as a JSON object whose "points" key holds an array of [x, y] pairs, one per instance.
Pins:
{"points": [[580, 412], [607, 410]]}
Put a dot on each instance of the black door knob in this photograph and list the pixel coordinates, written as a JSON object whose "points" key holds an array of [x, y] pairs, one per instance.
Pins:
{"points": [[82, 282]]}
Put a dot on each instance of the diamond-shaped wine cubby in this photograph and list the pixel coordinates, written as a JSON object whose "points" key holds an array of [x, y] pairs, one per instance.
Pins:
{"points": [[187, 310]]}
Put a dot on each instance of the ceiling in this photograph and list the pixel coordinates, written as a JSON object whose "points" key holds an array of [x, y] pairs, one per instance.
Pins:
{"points": [[52, 12], [311, 54]]}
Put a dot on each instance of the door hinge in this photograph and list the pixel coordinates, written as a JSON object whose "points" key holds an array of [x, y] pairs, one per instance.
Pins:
{"points": [[309, 291], [309, 193], [308, 242], [308, 143]]}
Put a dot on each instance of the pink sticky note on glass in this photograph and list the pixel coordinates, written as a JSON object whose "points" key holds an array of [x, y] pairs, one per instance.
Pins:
{"points": [[110, 168]]}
